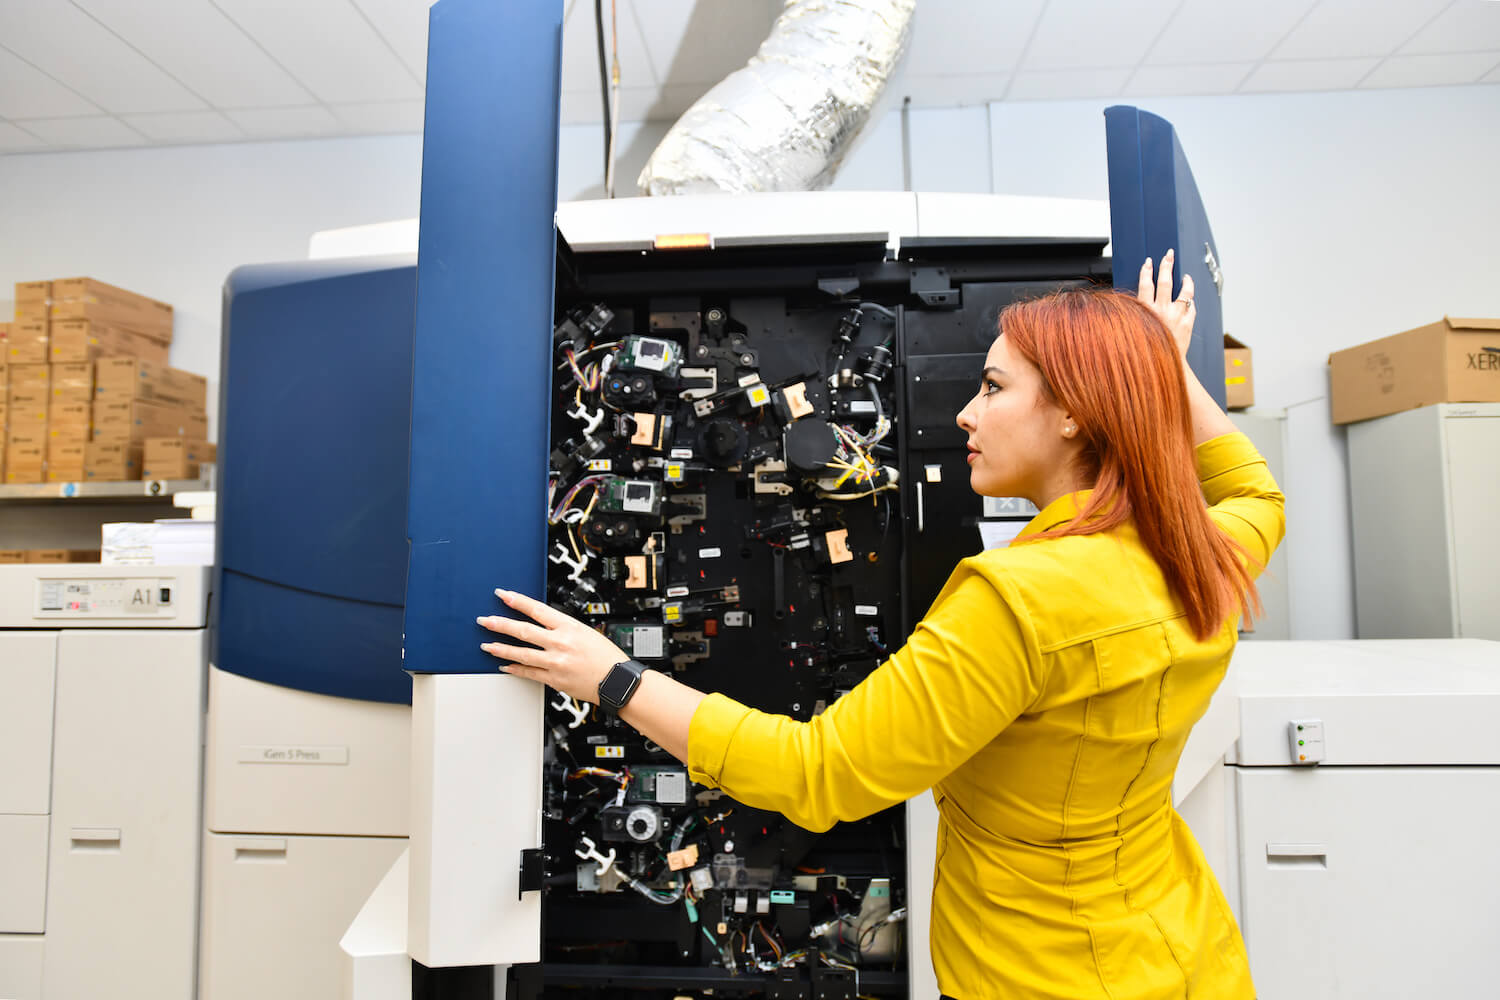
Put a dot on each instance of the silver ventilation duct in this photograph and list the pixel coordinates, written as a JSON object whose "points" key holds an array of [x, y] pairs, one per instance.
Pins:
{"points": [[785, 120]]}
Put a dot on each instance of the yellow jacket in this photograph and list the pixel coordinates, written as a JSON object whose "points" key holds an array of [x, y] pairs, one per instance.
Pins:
{"points": [[1045, 698]]}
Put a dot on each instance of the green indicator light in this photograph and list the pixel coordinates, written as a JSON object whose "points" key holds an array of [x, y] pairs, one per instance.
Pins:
{"points": [[1299, 743], [1299, 729]]}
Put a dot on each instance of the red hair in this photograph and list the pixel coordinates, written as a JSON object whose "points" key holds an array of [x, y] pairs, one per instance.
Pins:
{"points": [[1112, 365]]}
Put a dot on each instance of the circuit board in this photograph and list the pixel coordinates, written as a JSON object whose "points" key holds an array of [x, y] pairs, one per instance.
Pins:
{"points": [[724, 505]]}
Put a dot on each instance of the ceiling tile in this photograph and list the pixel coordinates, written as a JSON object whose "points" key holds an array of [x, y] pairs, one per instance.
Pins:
{"points": [[403, 24], [286, 123], [185, 126], [198, 45], [1493, 76], [1431, 71], [1069, 85], [1464, 27], [15, 140], [388, 118], [1340, 29], [949, 91], [1308, 74], [1095, 34], [958, 38], [64, 42], [580, 56], [27, 92], [98, 132], [1222, 31], [358, 69], [691, 42], [1188, 81]]}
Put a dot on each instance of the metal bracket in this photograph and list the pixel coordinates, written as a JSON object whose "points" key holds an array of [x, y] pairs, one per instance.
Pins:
{"points": [[931, 285], [533, 871]]}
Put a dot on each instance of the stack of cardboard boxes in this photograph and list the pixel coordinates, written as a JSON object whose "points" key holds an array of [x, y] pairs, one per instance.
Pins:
{"points": [[88, 393]]}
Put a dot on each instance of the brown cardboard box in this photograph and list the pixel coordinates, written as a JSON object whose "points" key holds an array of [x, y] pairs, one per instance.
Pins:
{"points": [[32, 299], [111, 461], [140, 379], [84, 340], [1450, 361], [4, 343], [65, 462], [87, 298], [1239, 377], [24, 463], [33, 291], [73, 382], [29, 380], [175, 458], [12, 555], [137, 419], [27, 342], [62, 555]]}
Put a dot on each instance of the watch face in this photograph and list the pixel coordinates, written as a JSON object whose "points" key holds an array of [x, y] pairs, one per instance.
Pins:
{"points": [[619, 683]]}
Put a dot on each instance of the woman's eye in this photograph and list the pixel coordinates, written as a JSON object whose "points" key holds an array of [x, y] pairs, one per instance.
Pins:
{"points": [[990, 388]]}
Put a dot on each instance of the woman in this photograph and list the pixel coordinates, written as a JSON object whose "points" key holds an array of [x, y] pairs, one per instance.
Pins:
{"points": [[1046, 696]]}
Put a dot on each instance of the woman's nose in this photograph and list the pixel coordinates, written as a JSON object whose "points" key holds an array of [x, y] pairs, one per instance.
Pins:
{"points": [[964, 420]]}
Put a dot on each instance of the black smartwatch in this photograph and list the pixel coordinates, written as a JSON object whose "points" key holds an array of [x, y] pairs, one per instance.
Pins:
{"points": [[620, 684]]}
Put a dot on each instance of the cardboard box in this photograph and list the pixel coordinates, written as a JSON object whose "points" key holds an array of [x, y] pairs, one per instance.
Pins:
{"points": [[141, 379], [137, 419], [32, 299], [175, 458], [62, 555], [1450, 361], [12, 555], [84, 340], [24, 463], [27, 342], [33, 291], [29, 379], [1239, 377], [65, 462], [88, 298], [73, 382], [111, 461]]}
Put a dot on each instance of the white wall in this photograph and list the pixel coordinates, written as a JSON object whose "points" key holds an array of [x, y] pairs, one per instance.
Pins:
{"points": [[1340, 217]]}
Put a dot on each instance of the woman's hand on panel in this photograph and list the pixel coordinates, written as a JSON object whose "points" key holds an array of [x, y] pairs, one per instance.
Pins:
{"points": [[563, 653], [1156, 292]]}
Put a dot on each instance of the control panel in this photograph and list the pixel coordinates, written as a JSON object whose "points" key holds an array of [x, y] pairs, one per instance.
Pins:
{"points": [[94, 598]]}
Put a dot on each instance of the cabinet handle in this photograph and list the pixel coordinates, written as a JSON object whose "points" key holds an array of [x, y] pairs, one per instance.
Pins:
{"points": [[1297, 856], [100, 840], [267, 852]]}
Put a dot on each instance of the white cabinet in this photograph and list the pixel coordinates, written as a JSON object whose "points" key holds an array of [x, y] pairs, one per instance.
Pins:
{"points": [[1424, 489], [27, 676], [123, 881], [21, 966], [1367, 876], [275, 908]]}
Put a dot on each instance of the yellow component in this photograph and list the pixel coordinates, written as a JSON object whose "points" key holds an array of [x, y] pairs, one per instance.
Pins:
{"points": [[684, 241], [609, 751]]}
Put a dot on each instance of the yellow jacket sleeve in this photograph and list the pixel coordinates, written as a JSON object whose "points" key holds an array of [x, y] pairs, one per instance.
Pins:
{"points": [[967, 672], [1243, 498]]}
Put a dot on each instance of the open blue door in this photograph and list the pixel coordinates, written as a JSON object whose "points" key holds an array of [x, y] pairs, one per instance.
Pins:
{"points": [[1154, 207], [476, 516]]}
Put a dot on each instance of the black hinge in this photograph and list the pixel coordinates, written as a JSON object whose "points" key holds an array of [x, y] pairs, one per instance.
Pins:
{"points": [[533, 871]]}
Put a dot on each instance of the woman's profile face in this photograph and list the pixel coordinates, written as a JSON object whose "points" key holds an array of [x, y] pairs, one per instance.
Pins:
{"points": [[1019, 442]]}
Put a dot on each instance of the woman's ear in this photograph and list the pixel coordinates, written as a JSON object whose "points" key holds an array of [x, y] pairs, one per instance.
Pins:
{"points": [[1069, 426]]}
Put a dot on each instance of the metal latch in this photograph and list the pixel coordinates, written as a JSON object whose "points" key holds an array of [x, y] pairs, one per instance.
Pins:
{"points": [[533, 871]]}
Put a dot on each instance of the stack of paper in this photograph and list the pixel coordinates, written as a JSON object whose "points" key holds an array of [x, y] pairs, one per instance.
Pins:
{"points": [[168, 542]]}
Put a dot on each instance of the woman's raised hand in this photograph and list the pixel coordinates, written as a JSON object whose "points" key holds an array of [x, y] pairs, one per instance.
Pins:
{"points": [[1178, 315]]}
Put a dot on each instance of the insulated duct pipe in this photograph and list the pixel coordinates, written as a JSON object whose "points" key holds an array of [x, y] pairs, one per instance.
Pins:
{"points": [[785, 120]]}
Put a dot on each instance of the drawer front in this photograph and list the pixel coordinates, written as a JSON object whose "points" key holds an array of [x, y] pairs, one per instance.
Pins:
{"points": [[28, 670], [23, 875]]}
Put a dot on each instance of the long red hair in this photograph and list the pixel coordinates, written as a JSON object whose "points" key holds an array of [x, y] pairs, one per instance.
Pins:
{"points": [[1111, 364]]}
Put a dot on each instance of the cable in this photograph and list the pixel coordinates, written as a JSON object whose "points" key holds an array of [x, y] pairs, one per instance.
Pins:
{"points": [[877, 307], [614, 86], [609, 129]]}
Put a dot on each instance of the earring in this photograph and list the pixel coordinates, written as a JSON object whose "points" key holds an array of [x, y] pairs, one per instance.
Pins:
{"points": [[1069, 430]]}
